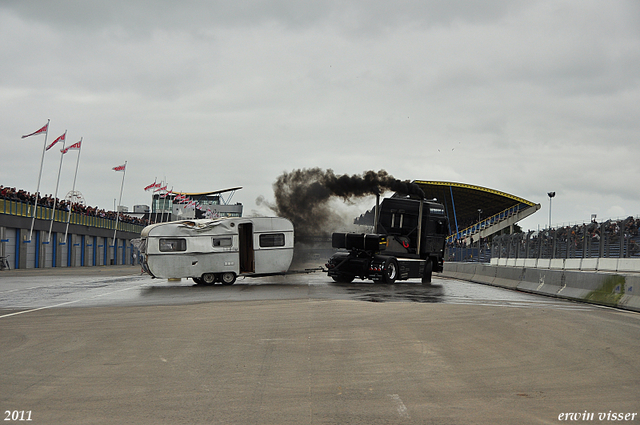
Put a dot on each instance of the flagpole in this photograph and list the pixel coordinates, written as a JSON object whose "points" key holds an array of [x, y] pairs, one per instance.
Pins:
{"points": [[151, 213], [55, 196], [169, 217], [73, 192], [44, 147], [164, 202], [162, 184], [117, 213]]}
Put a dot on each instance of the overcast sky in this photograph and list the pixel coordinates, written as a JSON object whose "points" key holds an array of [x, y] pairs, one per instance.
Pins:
{"points": [[524, 97]]}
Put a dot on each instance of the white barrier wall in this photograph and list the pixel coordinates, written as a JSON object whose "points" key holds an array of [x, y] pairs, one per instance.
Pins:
{"points": [[627, 265], [621, 290]]}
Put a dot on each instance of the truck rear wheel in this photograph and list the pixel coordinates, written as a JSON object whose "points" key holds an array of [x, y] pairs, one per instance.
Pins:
{"points": [[343, 278], [428, 271], [228, 278], [390, 271]]}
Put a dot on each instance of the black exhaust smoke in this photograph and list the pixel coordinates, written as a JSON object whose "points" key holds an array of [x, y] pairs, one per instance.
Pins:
{"points": [[303, 196]]}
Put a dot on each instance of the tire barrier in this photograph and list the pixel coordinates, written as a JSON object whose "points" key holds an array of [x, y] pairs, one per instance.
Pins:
{"points": [[618, 290]]}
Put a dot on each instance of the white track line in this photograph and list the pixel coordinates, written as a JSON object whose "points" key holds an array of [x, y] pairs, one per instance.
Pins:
{"points": [[399, 405], [65, 303]]}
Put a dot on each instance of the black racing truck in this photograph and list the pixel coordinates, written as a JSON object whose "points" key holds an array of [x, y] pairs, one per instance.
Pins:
{"points": [[408, 243]]}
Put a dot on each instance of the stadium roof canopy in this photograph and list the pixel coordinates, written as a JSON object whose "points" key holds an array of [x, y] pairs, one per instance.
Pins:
{"points": [[462, 201], [215, 192]]}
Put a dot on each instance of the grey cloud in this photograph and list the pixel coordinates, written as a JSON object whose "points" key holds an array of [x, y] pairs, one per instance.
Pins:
{"points": [[190, 14]]}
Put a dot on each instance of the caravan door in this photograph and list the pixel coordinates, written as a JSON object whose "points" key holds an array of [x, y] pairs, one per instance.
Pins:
{"points": [[247, 256]]}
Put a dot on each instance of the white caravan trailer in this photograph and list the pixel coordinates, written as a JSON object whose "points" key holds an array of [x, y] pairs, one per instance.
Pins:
{"points": [[217, 250]]}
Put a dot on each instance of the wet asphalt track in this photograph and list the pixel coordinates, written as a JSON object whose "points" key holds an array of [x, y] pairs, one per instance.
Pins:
{"points": [[24, 290], [108, 345]]}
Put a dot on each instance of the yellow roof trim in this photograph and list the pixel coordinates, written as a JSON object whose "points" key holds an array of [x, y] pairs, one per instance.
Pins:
{"points": [[474, 187], [215, 192]]}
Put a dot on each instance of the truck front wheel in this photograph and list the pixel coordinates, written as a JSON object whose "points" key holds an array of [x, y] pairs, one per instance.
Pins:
{"points": [[390, 271]]}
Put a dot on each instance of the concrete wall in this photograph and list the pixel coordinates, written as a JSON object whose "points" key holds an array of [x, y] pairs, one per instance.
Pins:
{"points": [[620, 290], [613, 265]]}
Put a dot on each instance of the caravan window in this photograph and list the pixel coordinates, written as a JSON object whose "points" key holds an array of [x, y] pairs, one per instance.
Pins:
{"points": [[222, 242], [173, 245], [271, 239]]}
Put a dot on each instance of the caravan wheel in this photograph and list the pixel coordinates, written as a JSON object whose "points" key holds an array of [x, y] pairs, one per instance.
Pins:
{"points": [[228, 278], [209, 278]]}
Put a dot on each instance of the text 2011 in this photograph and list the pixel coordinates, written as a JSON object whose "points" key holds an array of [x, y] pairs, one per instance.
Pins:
{"points": [[17, 415]]}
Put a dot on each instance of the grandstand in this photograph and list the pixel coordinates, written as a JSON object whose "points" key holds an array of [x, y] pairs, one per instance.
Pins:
{"points": [[60, 233], [169, 206], [476, 212]]}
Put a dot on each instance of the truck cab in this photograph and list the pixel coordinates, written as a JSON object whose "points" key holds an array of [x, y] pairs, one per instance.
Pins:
{"points": [[408, 242]]}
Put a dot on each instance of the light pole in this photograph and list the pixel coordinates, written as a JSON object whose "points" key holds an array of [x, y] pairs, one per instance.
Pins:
{"points": [[551, 195]]}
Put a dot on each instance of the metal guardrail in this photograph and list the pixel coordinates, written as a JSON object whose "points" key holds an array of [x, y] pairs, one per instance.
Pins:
{"points": [[22, 209]]}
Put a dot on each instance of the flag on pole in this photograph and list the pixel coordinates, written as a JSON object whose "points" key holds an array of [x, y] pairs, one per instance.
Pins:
{"points": [[161, 188], [166, 193], [74, 146], [59, 139], [152, 186], [119, 168], [35, 133]]}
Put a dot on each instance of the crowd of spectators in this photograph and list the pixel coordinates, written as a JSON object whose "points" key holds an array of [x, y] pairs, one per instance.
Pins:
{"points": [[48, 201], [575, 238], [610, 229], [615, 235], [582, 236]]}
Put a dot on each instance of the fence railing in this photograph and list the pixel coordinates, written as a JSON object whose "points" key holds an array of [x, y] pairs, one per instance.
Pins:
{"points": [[487, 222], [22, 209], [610, 239]]}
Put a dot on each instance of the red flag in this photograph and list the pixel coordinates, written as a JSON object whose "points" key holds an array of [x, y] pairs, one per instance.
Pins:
{"points": [[74, 146], [161, 188], [35, 133], [119, 168], [59, 139], [151, 186]]}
